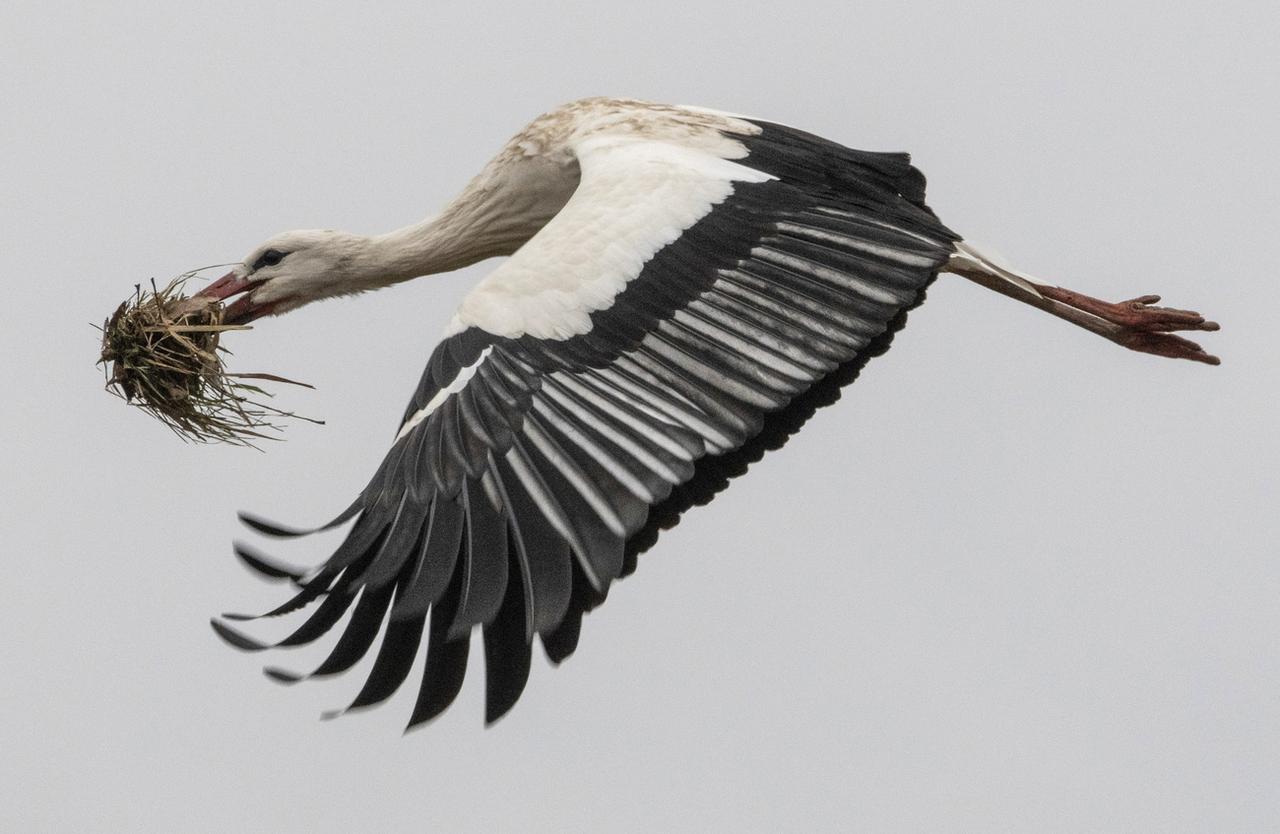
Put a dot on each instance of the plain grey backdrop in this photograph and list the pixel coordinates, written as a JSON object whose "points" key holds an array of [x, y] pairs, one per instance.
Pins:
{"points": [[1016, 579]]}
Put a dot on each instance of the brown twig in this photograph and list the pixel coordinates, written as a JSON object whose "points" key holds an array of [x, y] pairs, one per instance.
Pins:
{"points": [[162, 353]]}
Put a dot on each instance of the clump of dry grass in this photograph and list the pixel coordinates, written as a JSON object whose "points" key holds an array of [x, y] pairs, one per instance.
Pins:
{"points": [[162, 353]]}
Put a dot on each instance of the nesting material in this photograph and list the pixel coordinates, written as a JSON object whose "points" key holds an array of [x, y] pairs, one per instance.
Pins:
{"points": [[162, 353]]}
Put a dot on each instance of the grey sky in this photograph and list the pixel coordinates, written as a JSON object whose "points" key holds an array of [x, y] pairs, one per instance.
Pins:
{"points": [[1016, 579]]}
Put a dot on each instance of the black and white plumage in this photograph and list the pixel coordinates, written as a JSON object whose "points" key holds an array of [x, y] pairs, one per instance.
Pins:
{"points": [[684, 288]]}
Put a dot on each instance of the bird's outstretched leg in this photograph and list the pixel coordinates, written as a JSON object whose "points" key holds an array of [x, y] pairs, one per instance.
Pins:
{"points": [[1135, 324]]}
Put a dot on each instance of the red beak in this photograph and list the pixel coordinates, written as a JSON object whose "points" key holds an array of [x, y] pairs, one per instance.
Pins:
{"points": [[226, 286], [242, 310]]}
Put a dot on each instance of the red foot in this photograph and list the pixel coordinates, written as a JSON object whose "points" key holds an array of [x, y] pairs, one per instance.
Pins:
{"points": [[1141, 326]]}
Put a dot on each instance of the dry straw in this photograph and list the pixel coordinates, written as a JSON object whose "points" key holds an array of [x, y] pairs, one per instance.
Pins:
{"points": [[162, 354]]}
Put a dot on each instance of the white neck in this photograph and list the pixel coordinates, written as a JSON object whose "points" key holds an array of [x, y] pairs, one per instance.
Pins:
{"points": [[494, 215], [437, 244]]}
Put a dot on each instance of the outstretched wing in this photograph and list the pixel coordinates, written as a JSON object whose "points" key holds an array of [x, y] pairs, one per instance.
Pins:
{"points": [[677, 302]]}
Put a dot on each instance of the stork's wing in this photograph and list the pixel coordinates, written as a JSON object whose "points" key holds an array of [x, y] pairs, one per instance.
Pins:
{"points": [[676, 303]]}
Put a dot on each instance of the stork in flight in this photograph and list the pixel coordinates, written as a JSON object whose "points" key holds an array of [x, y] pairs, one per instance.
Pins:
{"points": [[684, 288]]}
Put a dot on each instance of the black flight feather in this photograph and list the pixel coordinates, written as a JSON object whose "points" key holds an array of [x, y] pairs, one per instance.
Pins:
{"points": [[483, 562], [506, 652], [446, 665], [540, 552], [436, 560]]}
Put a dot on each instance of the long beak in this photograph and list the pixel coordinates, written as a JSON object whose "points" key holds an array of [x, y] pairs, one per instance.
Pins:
{"points": [[243, 310], [226, 286]]}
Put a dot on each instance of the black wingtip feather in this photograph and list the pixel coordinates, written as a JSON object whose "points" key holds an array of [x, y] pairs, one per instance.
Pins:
{"points": [[270, 528], [505, 680], [507, 651], [442, 681], [360, 633], [560, 644], [283, 676], [446, 665], [263, 565], [235, 638], [395, 657]]}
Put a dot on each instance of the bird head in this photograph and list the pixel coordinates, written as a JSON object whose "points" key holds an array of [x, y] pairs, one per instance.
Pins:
{"points": [[289, 270]]}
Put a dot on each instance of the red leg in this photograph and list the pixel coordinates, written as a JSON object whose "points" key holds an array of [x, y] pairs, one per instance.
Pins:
{"points": [[1135, 324], [1138, 325]]}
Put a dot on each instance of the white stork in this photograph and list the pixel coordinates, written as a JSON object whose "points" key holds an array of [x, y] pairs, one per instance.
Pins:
{"points": [[684, 288]]}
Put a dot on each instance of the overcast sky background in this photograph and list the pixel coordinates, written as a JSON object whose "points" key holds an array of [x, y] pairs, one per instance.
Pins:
{"points": [[1016, 579]]}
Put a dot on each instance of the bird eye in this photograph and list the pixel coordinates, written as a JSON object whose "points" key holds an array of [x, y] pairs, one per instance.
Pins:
{"points": [[271, 257]]}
